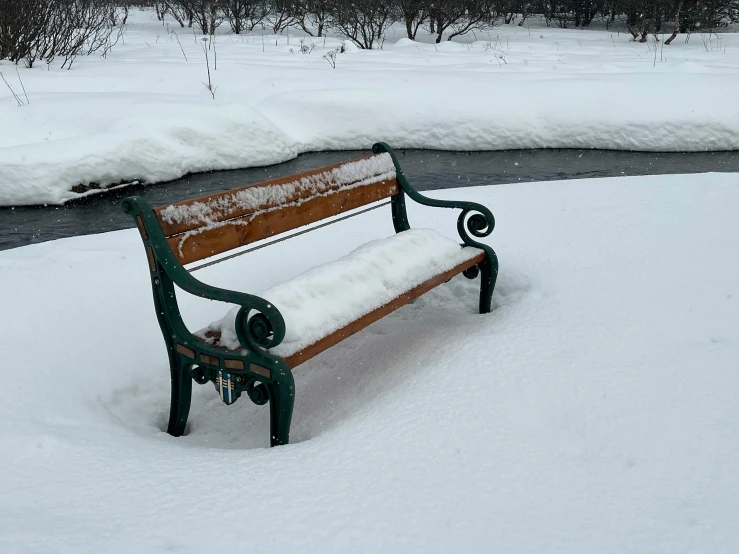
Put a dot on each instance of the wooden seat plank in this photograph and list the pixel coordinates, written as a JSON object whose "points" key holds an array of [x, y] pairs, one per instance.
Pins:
{"points": [[357, 325], [335, 338]]}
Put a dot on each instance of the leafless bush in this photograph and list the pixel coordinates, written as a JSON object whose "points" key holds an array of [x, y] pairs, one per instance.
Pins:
{"points": [[207, 15], [181, 12], [244, 15], [33, 30], [284, 14], [364, 22], [316, 15], [413, 13], [458, 17]]}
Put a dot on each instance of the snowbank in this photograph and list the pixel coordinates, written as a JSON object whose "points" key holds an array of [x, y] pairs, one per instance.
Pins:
{"points": [[106, 139], [144, 114], [593, 411]]}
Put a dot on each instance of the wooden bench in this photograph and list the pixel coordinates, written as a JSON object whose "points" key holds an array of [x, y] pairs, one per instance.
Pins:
{"points": [[248, 351]]}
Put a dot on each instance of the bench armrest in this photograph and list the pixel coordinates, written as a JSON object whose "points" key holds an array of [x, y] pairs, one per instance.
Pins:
{"points": [[475, 219], [263, 330]]}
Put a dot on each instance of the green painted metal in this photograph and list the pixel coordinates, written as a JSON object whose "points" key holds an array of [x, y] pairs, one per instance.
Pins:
{"points": [[253, 370], [475, 219], [191, 358]]}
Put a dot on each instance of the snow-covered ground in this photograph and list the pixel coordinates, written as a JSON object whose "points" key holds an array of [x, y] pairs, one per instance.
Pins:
{"points": [[593, 411], [143, 113]]}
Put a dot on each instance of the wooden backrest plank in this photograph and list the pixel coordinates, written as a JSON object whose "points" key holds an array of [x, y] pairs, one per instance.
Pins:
{"points": [[189, 215], [215, 239]]}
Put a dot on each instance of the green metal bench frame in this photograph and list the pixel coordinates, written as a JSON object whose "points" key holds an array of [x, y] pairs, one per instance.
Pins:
{"points": [[263, 376]]}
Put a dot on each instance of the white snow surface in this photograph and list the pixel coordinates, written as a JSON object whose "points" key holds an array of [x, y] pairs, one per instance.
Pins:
{"points": [[594, 410], [144, 114], [328, 297]]}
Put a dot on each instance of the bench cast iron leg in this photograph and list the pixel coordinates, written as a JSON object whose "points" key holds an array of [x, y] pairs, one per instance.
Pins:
{"points": [[488, 275], [281, 400], [180, 401]]}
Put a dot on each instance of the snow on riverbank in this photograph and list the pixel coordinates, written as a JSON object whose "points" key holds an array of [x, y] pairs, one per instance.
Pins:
{"points": [[144, 114], [593, 411]]}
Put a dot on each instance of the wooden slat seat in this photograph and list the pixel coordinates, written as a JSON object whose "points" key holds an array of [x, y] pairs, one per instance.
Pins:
{"points": [[253, 349], [326, 304]]}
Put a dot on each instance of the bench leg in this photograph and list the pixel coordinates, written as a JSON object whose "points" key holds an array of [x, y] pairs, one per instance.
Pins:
{"points": [[281, 400], [179, 407], [488, 276]]}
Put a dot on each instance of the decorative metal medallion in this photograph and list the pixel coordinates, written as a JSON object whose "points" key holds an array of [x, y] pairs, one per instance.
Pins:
{"points": [[226, 386]]}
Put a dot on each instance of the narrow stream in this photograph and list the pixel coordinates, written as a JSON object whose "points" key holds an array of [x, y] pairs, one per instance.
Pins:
{"points": [[426, 170]]}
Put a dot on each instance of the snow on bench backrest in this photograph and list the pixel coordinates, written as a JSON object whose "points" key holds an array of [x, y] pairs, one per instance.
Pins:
{"points": [[216, 223]]}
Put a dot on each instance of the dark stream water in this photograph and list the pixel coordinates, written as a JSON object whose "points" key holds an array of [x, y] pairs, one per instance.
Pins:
{"points": [[426, 170]]}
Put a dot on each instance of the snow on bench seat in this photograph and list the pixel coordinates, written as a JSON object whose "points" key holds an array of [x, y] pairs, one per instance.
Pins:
{"points": [[326, 298]]}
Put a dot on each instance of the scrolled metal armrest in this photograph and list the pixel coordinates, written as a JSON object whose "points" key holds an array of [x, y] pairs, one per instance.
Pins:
{"points": [[480, 224], [262, 330]]}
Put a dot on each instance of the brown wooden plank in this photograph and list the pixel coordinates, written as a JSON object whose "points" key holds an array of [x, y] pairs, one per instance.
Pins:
{"points": [[335, 338], [214, 337], [252, 228], [223, 212]]}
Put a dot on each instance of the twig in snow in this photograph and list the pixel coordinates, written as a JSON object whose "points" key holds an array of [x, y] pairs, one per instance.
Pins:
{"points": [[209, 85], [330, 57], [17, 98], [654, 64], [178, 42], [662, 48], [22, 85]]}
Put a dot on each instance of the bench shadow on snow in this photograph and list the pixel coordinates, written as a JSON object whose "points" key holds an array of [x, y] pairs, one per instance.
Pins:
{"points": [[335, 386]]}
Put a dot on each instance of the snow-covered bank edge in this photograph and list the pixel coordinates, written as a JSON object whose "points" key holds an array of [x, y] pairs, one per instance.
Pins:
{"points": [[153, 145], [138, 118]]}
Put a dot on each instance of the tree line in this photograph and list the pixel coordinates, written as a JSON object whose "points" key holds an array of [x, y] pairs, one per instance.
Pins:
{"points": [[44, 30], [366, 21], [33, 30]]}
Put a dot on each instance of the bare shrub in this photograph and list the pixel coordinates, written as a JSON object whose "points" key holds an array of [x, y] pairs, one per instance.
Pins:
{"points": [[32, 30], [244, 15], [458, 17], [364, 22]]}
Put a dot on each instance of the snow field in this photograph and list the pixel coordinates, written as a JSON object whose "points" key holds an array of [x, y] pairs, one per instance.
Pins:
{"points": [[593, 411], [144, 114]]}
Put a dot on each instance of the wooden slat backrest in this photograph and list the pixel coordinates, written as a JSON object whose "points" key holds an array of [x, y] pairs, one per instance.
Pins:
{"points": [[217, 223]]}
